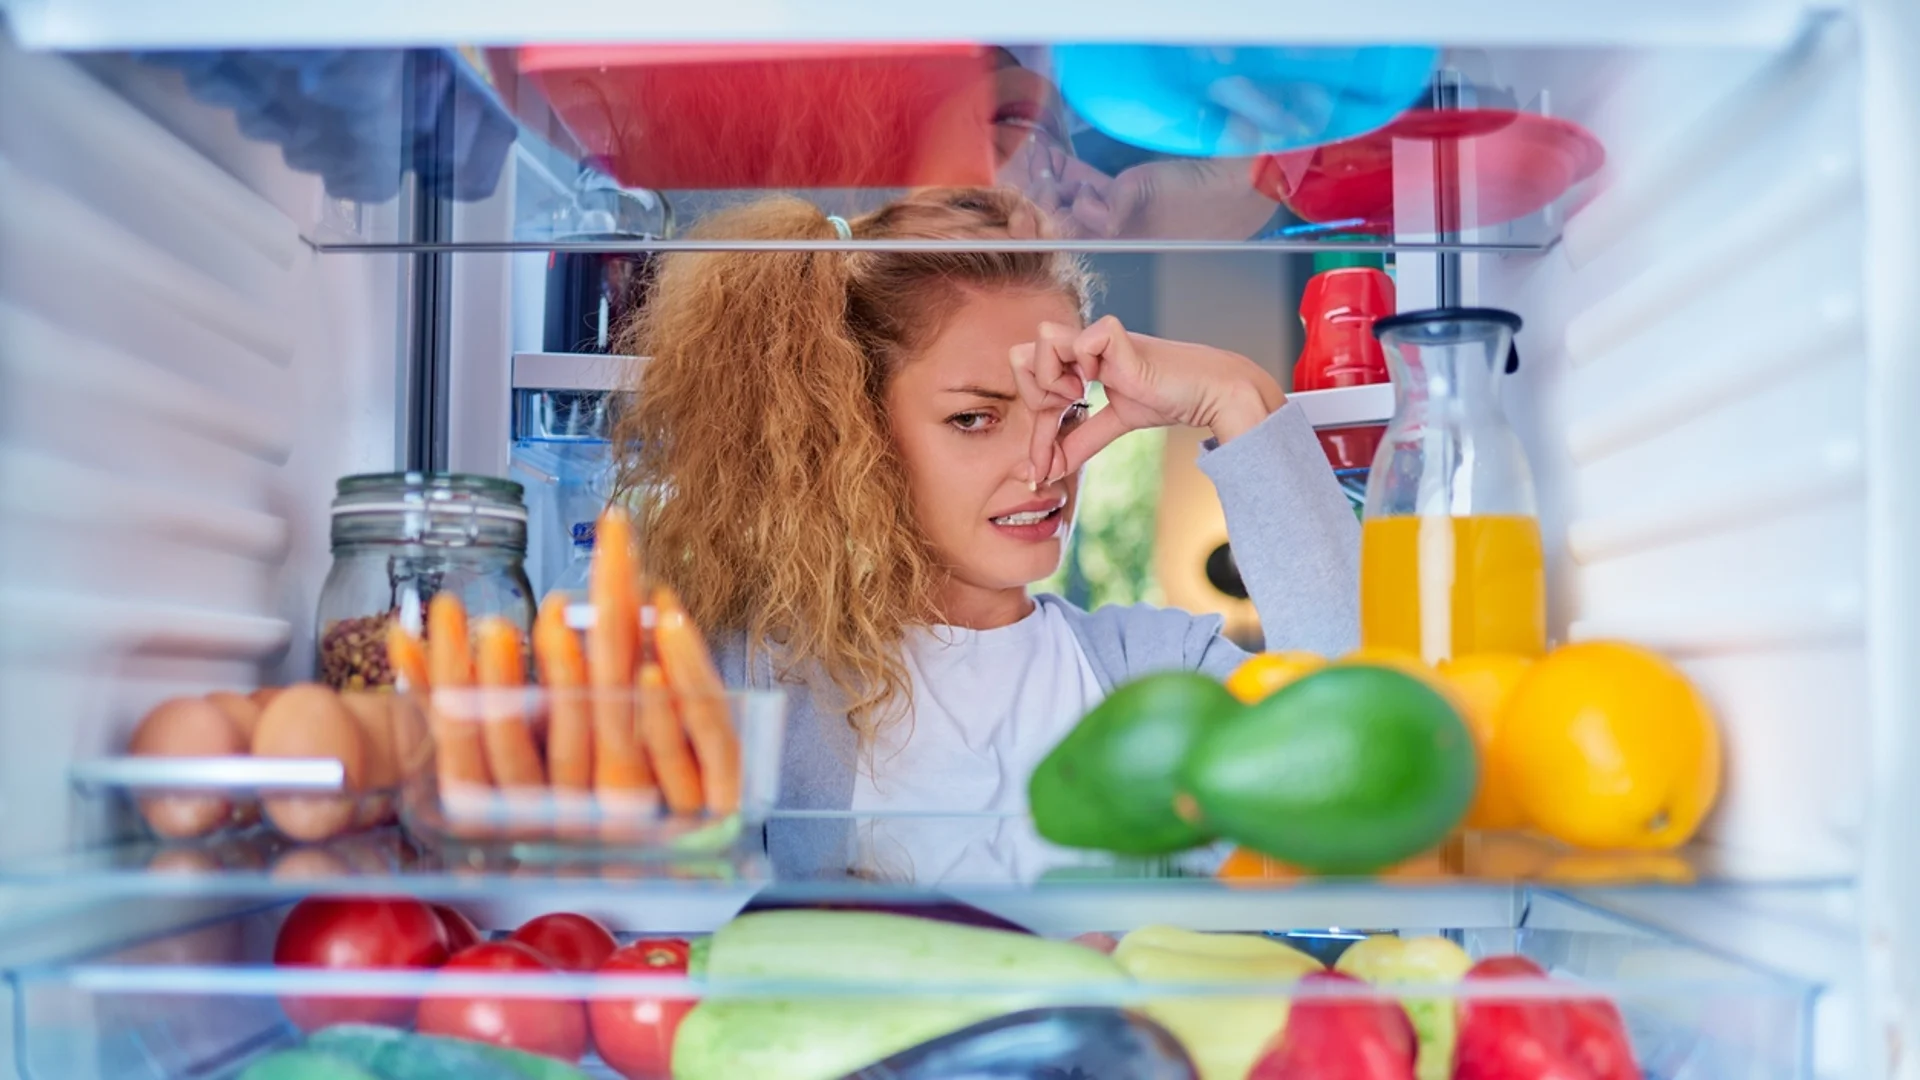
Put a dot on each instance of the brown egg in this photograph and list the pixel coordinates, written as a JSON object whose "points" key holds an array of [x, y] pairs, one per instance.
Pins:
{"points": [[374, 711], [183, 860], [308, 721], [185, 727], [241, 709], [245, 714], [309, 863]]}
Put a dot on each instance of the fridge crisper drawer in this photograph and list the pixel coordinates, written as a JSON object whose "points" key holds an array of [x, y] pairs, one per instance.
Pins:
{"points": [[205, 1001]]}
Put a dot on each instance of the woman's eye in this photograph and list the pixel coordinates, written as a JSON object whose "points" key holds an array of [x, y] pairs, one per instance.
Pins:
{"points": [[972, 421]]}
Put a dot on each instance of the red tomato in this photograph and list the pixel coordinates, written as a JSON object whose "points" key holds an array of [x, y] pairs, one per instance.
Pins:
{"points": [[537, 1025], [461, 933], [353, 933], [572, 942], [636, 1036]]}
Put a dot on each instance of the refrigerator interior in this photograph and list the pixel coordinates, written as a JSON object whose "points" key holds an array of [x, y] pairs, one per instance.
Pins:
{"points": [[197, 339]]}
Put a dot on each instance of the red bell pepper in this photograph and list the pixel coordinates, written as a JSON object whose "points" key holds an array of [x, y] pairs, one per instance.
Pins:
{"points": [[1341, 1039], [1538, 1038]]}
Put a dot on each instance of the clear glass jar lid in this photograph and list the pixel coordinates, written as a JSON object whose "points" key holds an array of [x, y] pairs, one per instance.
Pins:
{"points": [[451, 509]]}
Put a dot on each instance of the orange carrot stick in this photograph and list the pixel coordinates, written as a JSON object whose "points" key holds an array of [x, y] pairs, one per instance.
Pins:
{"points": [[461, 754], [613, 651], [512, 755], [701, 697], [667, 742], [408, 658], [563, 670]]}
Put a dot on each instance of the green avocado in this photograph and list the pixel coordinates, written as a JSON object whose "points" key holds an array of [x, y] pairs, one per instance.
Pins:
{"points": [[1111, 783], [1346, 771]]}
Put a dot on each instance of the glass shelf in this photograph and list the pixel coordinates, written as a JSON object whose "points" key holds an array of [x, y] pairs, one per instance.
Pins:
{"points": [[989, 858], [204, 1000], [641, 148]]}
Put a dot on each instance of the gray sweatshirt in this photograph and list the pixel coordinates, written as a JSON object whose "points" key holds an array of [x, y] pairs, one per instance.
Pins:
{"points": [[1297, 546]]}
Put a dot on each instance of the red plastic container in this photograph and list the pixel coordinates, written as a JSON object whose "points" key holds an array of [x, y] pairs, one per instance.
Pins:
{"points": [[774, 116], [1338, 308], [1351, 447], [1520, 163]]}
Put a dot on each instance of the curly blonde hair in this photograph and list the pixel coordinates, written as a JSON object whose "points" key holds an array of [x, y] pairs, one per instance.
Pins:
{"points": [[776, 502]]}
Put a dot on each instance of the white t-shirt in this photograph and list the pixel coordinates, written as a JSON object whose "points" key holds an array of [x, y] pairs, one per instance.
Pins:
{"points": [[987, 706]]}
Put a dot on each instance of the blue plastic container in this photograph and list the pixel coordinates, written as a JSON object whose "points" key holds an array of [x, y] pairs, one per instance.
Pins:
{"points": [[1201, 101]]}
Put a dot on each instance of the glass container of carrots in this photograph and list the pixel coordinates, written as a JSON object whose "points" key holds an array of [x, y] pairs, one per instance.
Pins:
{"points": [[400, 539], [629, 743], [1450, 553]]}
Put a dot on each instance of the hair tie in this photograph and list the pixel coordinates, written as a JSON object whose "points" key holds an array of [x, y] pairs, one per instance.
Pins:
{"points": [[840, 226]]}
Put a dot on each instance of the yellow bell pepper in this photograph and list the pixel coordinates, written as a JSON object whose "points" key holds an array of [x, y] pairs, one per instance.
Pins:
{"points": [[1385, 960], [1224, 1036]]}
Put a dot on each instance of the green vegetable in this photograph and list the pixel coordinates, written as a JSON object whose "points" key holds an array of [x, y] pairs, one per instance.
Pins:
{"points": [[813, 1038], [1111, 784], [697, 949], [1385, 960], [392, 1054], [870, 947], [531, 1066], [821, 1037], [1348, 770], [304, 1065]]}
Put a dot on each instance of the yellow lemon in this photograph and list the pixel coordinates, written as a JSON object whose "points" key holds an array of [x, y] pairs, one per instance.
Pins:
{"points": [[1263, 673], [1608, 746], [1482, 683]]}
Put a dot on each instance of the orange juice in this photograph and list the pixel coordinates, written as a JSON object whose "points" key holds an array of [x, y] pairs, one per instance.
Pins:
{"points": [[1449, 586]]}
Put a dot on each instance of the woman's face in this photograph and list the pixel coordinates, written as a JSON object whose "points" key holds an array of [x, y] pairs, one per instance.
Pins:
{"points": [[965, 438]]}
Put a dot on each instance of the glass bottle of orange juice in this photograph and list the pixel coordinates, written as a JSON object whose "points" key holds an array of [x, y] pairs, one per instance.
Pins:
{"points": [[1450, 556]]}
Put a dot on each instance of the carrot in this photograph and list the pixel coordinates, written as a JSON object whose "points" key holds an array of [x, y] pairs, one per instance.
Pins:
{"points": [[702, 699], [461, 754], [407, 657], [667, 743], [613, 650], [511, 753], [563, 670]]}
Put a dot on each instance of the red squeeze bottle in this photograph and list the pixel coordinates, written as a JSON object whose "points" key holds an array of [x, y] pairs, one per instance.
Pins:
{"points": [[1339, 308]]}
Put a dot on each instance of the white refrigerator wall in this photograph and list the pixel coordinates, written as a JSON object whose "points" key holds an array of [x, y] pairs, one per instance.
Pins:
{"points": [[181, 380], [1695, 381], [1696, 396]]}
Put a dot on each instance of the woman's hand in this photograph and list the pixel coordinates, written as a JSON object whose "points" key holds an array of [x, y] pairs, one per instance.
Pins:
{"points": [[1210, 199], [1150, 382]]}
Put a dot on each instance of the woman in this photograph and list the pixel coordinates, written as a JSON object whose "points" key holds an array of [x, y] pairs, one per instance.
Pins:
{"points": [[861, 460]]}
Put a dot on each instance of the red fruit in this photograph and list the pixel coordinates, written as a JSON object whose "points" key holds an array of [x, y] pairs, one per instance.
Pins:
{"points": [[461, 933], [572, 942], [1537, 1038], [635, 1036], [1341, 1038], [357, 934], [1599, 1040], [556, 1028]]}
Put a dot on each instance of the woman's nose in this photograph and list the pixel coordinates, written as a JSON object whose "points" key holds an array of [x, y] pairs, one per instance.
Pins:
{"points": [[1018, 448]]}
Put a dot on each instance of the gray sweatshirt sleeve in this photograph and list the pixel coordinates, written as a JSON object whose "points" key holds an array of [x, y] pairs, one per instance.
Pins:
{"points": [[1298, 548], [1293, 533]]}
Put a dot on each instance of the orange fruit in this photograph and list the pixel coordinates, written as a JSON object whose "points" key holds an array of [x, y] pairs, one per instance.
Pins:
{"points": [[1247, 865], [1263, 673], [1607, 745], [1620, 868], [1404, 661], [1482, 683]]}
